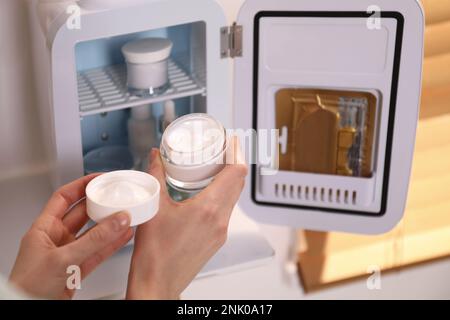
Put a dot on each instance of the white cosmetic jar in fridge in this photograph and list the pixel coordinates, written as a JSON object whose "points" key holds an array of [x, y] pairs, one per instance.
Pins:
{"points": [[147, 65], [132, 191], [193, 151]]}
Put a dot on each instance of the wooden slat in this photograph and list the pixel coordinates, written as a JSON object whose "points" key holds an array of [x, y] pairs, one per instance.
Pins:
{"points": [[436, 71], [319, 270], [437, 39], [436, 11], [435, 103]]}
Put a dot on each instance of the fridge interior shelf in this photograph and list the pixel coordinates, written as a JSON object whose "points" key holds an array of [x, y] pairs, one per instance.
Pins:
{"points": [[105, 90]]}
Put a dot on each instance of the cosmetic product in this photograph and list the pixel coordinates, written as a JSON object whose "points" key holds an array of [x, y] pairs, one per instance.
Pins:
{"points": [[147, 65], [168, 116], [142, 135], [132, 191], [329, 132], [193, 150]]}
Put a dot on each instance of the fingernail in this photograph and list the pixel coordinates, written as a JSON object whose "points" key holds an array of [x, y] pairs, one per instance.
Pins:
{"points": [[121, 221]]}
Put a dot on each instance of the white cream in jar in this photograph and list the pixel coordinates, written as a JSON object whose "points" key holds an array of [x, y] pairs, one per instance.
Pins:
{"points": [[147, 65], [193, 150], [131, 191], [120, 193]]}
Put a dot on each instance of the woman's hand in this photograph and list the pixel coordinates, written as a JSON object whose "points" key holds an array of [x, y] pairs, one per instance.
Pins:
{"points": [[51, 245], [172, 248]]}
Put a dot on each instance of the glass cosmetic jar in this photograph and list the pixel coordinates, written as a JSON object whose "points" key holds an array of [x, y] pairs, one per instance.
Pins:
{"points": [[147, 65], [193, 151]]}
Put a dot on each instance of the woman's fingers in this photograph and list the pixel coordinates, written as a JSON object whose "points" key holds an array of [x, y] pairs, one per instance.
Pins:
{"points": [[95, 240], [227, 185], [77, 218], [65, 197], [91, 263], [234, 153], [156, 169]]}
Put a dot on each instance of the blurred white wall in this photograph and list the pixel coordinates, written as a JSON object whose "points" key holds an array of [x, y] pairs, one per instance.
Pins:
{"points": [[20, 138]]}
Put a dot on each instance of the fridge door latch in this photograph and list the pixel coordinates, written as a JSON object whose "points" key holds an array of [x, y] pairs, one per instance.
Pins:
{"points": [[231, 41]]}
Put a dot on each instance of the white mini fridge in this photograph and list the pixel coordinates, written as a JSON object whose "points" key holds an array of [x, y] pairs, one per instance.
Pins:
{"points": [[339, 80]]}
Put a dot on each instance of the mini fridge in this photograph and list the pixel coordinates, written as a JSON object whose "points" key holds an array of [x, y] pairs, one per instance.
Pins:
{"points": [[338, 80]]}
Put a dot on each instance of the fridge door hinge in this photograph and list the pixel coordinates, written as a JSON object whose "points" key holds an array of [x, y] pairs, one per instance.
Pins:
{"points": [[231, 41]]}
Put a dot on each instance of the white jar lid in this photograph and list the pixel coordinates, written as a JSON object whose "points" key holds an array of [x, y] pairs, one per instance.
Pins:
{"points": [[148, 50]]}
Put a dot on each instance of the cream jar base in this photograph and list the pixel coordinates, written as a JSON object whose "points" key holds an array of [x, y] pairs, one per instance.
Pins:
{"points": [[188, 187], [148, 92]]}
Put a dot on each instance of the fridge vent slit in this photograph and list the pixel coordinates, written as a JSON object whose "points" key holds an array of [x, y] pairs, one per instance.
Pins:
{"points": [[88, 97], [190, 87], [179, 79], [99, 78], [88, 101], [110, 97], [105, 89], [91, 106], [315, 194], [112, 102], [183, 83]]}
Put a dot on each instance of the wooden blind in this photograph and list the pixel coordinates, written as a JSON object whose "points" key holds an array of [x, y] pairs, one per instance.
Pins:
{"points": [[437, 43]]}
